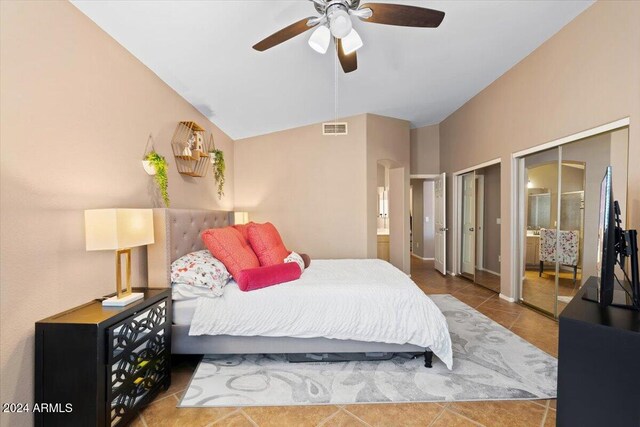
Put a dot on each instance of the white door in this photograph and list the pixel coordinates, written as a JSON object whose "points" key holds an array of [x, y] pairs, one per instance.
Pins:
{"points": [[440, 223], [468, 223]]}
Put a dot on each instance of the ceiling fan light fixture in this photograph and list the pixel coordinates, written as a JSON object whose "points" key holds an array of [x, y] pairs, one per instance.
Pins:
{"points": [[340, 23], [351, 42], [320, 39]]}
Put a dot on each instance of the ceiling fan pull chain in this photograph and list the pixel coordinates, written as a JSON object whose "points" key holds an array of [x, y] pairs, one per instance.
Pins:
{"points": [[335, 88]]}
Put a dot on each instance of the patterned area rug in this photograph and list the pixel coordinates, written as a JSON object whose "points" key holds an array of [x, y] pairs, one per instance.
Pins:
{"points": [[489, 363]]}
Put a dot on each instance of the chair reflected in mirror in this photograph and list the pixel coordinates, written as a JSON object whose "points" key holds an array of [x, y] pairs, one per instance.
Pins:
{"points": [[564, 252]]}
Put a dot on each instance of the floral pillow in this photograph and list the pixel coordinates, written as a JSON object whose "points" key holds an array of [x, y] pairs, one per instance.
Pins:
{"points": [[295, 257], [200, 270]]}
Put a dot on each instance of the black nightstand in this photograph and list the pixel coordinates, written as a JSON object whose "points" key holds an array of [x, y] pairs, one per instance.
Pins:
{"points": [[107, 362]]}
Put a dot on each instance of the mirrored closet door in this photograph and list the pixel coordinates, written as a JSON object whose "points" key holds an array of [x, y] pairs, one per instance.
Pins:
{"points": [[480, 226], [468, 247], [541, 207], [487, 235], [559, 200]]}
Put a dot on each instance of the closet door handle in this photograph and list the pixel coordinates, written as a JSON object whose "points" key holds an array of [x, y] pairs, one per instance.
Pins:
{"points": [[471, 229]]}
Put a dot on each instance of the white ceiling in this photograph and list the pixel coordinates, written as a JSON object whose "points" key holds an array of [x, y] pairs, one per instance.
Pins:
{"points": [[202, 49]]}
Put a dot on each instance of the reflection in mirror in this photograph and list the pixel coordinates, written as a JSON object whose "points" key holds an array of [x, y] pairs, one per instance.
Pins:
{"points": [[468, 246], [565, 182], [541, 199], [539, 210], [487, 191], [383, 198], [383, 238], [383, 208]]}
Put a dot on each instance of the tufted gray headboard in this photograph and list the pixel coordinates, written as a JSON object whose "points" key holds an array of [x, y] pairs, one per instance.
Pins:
{"points": [[177, 233]]}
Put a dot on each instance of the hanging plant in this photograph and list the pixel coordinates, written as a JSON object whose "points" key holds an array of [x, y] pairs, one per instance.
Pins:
{"points": [[146, 164], [159, 163], [218, 169]]}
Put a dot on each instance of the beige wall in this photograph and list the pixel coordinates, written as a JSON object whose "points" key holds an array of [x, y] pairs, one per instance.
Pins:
{"points": [[321, 191], [76, 109], [584, 76], [311, 187], [382, 176], [425, 150]]}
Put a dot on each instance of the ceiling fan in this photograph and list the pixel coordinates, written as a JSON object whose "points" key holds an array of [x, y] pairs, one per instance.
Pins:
{"points": [[335, 20]]}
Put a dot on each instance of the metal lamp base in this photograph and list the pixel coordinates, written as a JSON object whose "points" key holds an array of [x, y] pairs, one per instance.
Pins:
{"points": [[121, 302], [122, 297]]}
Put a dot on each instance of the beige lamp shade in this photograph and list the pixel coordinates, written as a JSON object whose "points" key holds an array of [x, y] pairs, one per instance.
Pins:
{"points": [[118, 228], [240, 217]]}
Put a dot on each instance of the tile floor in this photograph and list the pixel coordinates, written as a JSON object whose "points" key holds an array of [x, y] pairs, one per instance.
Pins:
{"points": [[487, 279], [540, 291], [535, 328]]}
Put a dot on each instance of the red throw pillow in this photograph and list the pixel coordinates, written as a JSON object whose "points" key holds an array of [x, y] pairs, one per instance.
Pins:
{"points": [[267, 244], [244, 230], [262, 277], [228, 245]]}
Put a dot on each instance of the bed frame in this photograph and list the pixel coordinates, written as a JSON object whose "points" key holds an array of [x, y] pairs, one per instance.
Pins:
{"points": [[177, 233]]}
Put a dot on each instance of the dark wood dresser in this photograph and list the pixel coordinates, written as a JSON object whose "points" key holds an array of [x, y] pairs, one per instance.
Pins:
{"points": [[598, 364], [106, 362]]}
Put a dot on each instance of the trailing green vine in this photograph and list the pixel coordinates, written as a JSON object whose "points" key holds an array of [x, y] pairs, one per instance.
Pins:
{"points": [[161, 178], [218, 170]]}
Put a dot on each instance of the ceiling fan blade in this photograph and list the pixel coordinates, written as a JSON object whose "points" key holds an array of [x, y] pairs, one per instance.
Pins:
{"points": [[349, 62], [403, 15], [284, 34]]}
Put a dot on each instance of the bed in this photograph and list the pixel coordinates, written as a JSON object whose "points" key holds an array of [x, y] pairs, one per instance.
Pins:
{"points": [[338, 295]]}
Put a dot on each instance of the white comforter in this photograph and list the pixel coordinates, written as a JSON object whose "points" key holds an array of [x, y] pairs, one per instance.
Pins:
{"points": [[364, 300]]}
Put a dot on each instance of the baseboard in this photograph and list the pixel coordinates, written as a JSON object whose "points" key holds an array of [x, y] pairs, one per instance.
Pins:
{"points": [[419, 257], [506, 298], [490, 271], [451, 273]]}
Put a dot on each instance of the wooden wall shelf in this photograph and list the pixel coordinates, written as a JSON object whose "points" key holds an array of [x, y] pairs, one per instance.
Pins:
{"points": [[191, 149]]}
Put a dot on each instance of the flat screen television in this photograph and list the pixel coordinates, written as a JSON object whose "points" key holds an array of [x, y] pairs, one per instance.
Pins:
{"points": [[615, 246], [606, 254]]}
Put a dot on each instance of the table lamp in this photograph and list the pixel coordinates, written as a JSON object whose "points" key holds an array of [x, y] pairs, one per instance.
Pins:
{"points": [[240, 217], [119, 230]]}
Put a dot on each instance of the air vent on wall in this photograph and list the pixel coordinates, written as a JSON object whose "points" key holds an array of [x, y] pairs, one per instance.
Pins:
{"points": [[334, 128]]}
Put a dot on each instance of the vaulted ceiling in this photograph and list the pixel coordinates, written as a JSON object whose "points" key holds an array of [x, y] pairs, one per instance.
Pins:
{"points": [[202, 49]]}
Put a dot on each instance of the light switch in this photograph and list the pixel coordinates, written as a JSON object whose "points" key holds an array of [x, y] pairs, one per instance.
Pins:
{"points": [[426, 219], [498, 221]]}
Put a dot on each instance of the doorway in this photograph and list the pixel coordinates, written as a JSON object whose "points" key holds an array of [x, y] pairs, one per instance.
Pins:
{"points": [[422, 199], [477, 230], [390, 209], [558, 204], [382, 229]]}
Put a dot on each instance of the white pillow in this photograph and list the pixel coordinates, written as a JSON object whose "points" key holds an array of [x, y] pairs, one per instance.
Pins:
{"points": [[201, 271], [182, 292]]}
